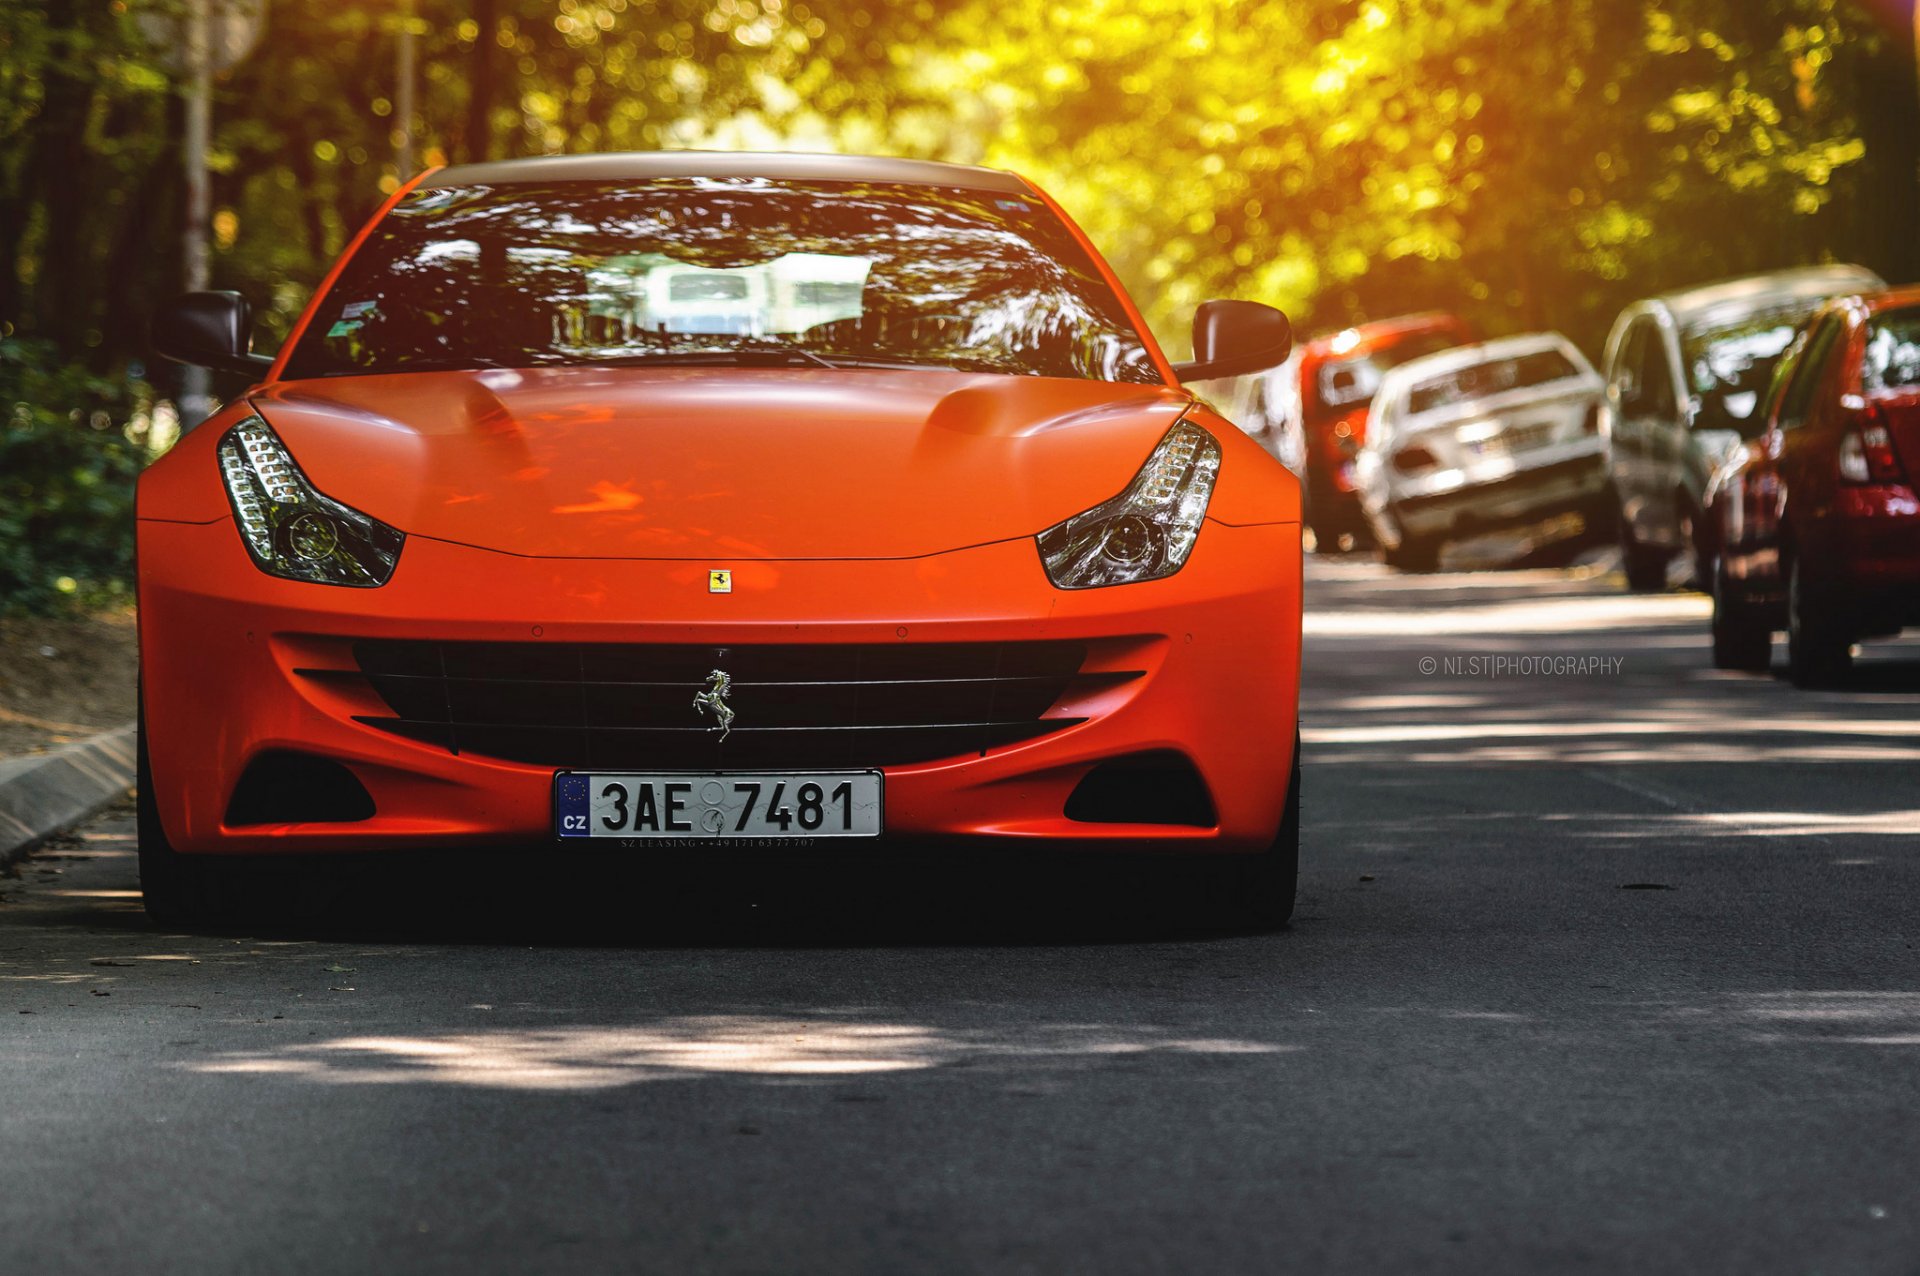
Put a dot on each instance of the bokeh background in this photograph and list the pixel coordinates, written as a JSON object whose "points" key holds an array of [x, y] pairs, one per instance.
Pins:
{"points": [[1528, 163]]}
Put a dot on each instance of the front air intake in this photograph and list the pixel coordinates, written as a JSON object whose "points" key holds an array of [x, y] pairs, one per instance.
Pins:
{"points": [[298, 788], [1144, 788]]}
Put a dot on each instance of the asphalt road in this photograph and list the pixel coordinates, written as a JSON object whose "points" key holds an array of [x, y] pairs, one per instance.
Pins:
{"points": [[1597, 967]]}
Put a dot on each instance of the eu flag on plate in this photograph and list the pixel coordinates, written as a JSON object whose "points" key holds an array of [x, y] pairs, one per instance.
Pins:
{"points": [[570, 806]]}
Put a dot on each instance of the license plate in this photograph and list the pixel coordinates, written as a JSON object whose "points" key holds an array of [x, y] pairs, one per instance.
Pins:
{"points": [[722, 807], [1519, 439]]}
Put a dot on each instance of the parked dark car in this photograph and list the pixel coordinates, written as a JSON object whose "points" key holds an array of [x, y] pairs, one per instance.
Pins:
{"points": [[1818, 521], [1685, 374]]}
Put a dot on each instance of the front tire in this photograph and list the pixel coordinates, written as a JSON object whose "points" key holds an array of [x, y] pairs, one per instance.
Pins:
{"points": [[1645, 565], [1416, 554], [184, 892], [176, 891], [1335, 516], [1701, 557], [1741, 640], [1819, 648], [1327, 536], [1257, 892]]}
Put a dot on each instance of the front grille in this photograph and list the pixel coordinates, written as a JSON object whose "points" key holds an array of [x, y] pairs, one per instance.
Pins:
{"points": [[606, 705]]}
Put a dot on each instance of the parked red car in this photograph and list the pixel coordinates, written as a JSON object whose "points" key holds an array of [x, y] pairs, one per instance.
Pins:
{"points": [[1818, 518], [1338, 377]]}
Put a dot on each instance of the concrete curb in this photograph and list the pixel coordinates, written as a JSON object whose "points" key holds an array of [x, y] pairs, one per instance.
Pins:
{"points": [[42, 794]]}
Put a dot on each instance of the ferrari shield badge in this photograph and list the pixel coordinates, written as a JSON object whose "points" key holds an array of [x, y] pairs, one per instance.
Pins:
{"points": [[720, 581]]}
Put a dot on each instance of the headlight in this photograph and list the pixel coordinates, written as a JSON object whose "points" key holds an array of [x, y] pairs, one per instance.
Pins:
{"points": [[290, 529], [1148, 530]]}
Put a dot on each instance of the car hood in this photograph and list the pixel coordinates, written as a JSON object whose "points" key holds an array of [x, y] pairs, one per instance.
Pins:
{"points": [[721, 465]]}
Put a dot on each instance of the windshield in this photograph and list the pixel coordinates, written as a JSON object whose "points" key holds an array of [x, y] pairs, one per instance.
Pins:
{"points": [[1893, 352], [712, 270], [1346, 385], [1482, 380], [1730, 365]]}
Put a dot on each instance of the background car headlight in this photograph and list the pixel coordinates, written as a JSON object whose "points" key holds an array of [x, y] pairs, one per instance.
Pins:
{"points": [[1148, 530], [292, 530]]}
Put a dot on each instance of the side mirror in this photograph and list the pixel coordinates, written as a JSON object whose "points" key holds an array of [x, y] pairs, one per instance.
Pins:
{"points": [[1233, 338], [1742, 411], [211, 330]]}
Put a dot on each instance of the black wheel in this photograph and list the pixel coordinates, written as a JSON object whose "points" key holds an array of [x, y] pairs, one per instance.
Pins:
{"points": [[1645, 565], [181, 892], [1257, 892], [1819, 648], [1326, 536], [174, 889], [1700, 558], [1741, 639], [1412, 554], [1336, 520]]}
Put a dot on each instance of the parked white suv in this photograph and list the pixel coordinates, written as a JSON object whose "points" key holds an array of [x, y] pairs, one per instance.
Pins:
{"points": [[1477, 438], [1684, 377]]}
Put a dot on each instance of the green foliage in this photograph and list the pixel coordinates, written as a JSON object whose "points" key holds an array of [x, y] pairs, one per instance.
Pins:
{"points": [[1532, 162], [1529, 162], [71, 446]]}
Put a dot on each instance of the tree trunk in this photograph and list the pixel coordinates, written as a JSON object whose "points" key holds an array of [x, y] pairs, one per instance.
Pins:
{"points": [[1874, 226], [149, 223], [312, 207], [59, 177], [477, 138]]}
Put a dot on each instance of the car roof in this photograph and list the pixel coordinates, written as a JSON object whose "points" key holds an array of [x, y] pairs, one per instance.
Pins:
{"points": [[1376, 330], [1480, 352], [1748, 293], [636, 166], [1397, 379]]}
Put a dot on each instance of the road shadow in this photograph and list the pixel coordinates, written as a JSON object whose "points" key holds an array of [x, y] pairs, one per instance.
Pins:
{"points": [[1877, 670], [562, 895]]}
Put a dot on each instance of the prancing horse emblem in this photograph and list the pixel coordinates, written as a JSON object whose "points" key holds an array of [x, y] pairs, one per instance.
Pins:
{"points": [[715, 698]]}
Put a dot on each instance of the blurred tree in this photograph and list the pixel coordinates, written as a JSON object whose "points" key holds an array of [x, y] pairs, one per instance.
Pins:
{"points": [[85, 125], [71, 446], [1529, 161]]}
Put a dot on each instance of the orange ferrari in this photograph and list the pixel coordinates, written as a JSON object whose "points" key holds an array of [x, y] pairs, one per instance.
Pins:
{"points": [[694, 504]]}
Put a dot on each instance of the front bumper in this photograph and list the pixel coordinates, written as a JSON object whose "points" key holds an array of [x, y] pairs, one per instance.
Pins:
{"points": [[1219, 644]]}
